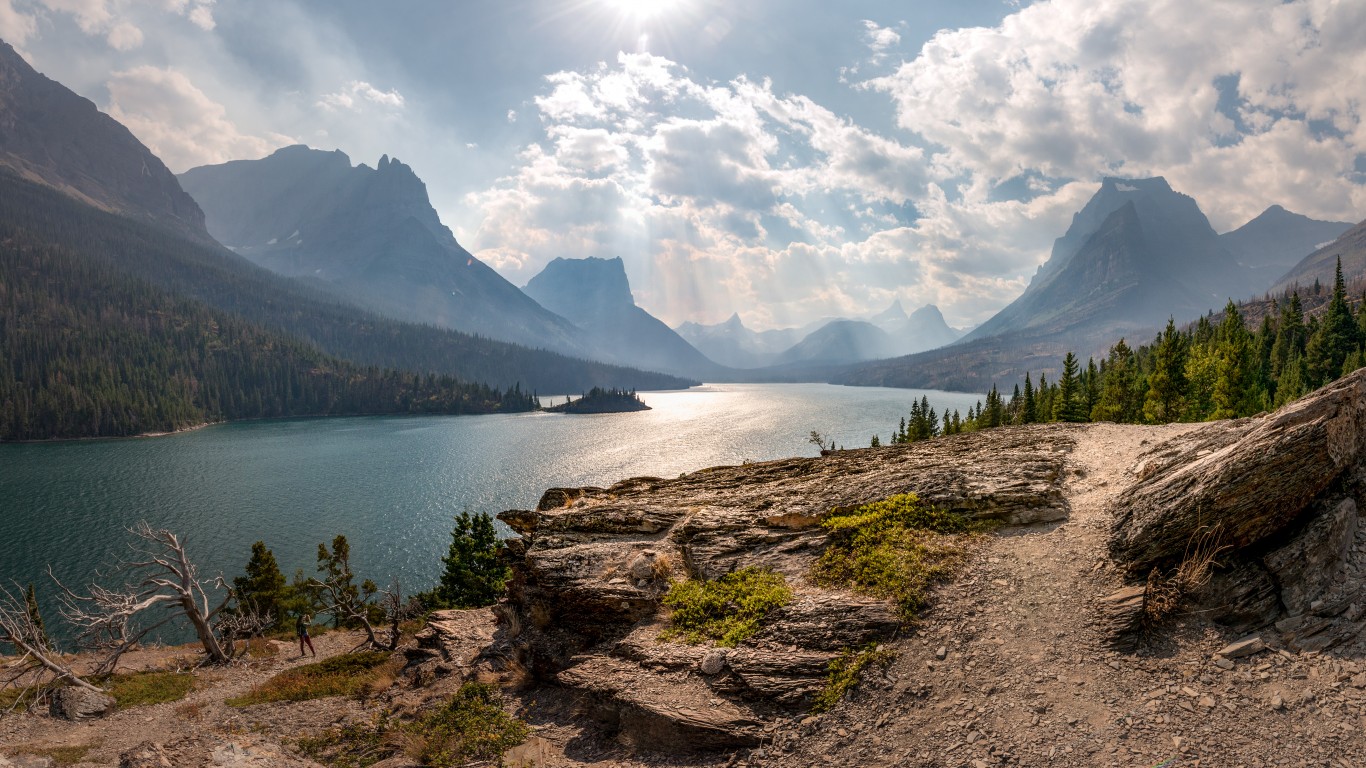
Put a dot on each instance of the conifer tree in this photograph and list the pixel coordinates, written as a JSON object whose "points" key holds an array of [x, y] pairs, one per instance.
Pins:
{"points": [[1165, 400], [1234, 391], [1067, 406], [1118, 397], [475, 572], [263, 587], [1030, 409]]}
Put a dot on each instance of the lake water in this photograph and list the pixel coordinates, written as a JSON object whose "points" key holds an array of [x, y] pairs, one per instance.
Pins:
{"points": [[390, 484]]}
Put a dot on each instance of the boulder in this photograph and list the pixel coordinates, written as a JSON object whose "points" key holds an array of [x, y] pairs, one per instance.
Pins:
{"points": [[1252, 480], [75, 703], [146, 755]]}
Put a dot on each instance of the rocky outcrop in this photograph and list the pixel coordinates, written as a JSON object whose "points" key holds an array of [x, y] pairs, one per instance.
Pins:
{"points": [[592, 565], [74, 703], [1278, 495]]}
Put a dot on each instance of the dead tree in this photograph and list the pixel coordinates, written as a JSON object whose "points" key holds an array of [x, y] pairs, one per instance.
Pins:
{"points": [[39, 665], [244, 622], [162, 585], [363, 607]]}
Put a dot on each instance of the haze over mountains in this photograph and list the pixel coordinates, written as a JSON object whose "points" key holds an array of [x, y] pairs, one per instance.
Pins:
{"points": [[1135, 255], [372, 234], [102, 256], [595, 295]]}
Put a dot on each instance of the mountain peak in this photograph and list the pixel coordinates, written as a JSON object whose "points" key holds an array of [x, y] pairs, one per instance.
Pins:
{"points": [[928, 312], [733, 323], [892, 314], [1119, 184], [565, 285]]}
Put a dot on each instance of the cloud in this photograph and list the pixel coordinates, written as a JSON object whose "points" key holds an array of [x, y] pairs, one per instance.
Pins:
{"points": [[15, 27], [879, 39], [719, 196], [1204, 94], [178, 122], [124, 37], [93, 16], [357, 93]]}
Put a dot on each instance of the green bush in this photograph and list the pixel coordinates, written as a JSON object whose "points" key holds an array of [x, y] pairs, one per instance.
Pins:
{"points": [[729, 609], [895, 549], [471, 728], [845, 672]]}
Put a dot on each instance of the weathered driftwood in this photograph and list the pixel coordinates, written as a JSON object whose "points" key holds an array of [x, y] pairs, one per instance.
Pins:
{"points": [[1253, 479]]}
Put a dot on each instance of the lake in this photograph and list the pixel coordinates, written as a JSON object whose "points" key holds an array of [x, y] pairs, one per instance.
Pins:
{"points": [[390, 484]]}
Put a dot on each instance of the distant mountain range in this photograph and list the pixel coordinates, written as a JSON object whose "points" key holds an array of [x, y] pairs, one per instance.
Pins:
{"points": [[372, 235], [1321, 265], [595, 295], [830, 341], [1136, 254], [166, 328]]}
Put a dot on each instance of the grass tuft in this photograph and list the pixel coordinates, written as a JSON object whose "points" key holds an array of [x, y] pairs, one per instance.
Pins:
{"points": [[894, 549], [63, 755], [343, 675], [140, 689], [727, 610], [845, 672], [472, 728]]}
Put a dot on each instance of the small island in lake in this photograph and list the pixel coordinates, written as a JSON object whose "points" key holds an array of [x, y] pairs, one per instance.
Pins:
{"points": [[599, 400]]}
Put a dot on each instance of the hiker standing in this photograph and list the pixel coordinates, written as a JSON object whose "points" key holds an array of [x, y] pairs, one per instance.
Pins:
{"points": [[301, 626]]}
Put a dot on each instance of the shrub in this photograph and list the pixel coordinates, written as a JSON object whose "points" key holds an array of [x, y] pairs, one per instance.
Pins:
{"points": [[895, 549], [845, 672], [471, 728], [729, 609], [343, 675]]}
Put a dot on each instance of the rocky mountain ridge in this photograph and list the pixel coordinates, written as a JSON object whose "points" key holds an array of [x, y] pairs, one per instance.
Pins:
{"points": [[52, 136], [372, 235]]}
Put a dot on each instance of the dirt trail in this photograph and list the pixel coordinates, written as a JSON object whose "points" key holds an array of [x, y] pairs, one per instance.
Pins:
{"points": [[1007, 669]]}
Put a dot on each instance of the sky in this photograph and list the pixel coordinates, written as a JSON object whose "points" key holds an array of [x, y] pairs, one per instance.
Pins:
{"points": [[786, 160]]}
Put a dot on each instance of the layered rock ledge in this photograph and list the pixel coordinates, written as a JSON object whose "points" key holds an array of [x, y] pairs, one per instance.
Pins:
{"points": [[592, 565], [1280, 498]]}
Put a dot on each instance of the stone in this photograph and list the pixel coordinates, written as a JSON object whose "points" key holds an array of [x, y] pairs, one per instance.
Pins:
{"points": [[941, 652], [75, 703], [1304, 567], [713, 662], [146, 755], [1223, 663], [1277, 703], [1259, 479], [1248, 646], [1120, 617]]}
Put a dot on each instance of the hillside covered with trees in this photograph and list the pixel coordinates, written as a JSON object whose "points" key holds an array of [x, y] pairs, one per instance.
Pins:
{"points": [[88, 352], [1217, 368]]}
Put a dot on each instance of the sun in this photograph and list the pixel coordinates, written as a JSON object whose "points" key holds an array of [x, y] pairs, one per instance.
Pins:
{"points": [[643, 10]]}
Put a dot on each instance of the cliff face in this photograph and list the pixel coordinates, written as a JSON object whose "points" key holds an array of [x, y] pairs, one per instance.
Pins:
{"points": [[594, 563]]}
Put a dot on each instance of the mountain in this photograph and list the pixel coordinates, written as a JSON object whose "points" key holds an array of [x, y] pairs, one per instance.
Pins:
{"points": [[923, 329], [1136, 254], [372, 235], [1320, 265], [838, 342], [1168, 244], [54, 137], [1278, 239], [732, 344], [595, 295]]}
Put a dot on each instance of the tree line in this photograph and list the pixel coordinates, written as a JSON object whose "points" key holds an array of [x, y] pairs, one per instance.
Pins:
{"points": [[208, 273], [1217, 368], [86, 351]]}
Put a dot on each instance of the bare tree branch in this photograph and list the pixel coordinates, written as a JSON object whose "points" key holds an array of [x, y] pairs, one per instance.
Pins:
{"points": [[39, 664]]}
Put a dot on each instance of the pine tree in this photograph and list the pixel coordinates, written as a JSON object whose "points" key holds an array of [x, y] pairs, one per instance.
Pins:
{"points": [[1067, 406], [1118, 397], [1336, 337], [1165, 401], [1234, 392], [336, 569], [1030, 409], [475, 572], [263, 587]]}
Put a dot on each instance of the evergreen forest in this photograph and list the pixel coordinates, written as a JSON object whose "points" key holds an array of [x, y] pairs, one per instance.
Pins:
{"points": [[1217, 368]]}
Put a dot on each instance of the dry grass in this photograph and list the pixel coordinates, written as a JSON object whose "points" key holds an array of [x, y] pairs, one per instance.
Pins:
{"points": [[262, 648], [346, 675], [190, 710], [1165, 592], [67, 754], [140, 689]]}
